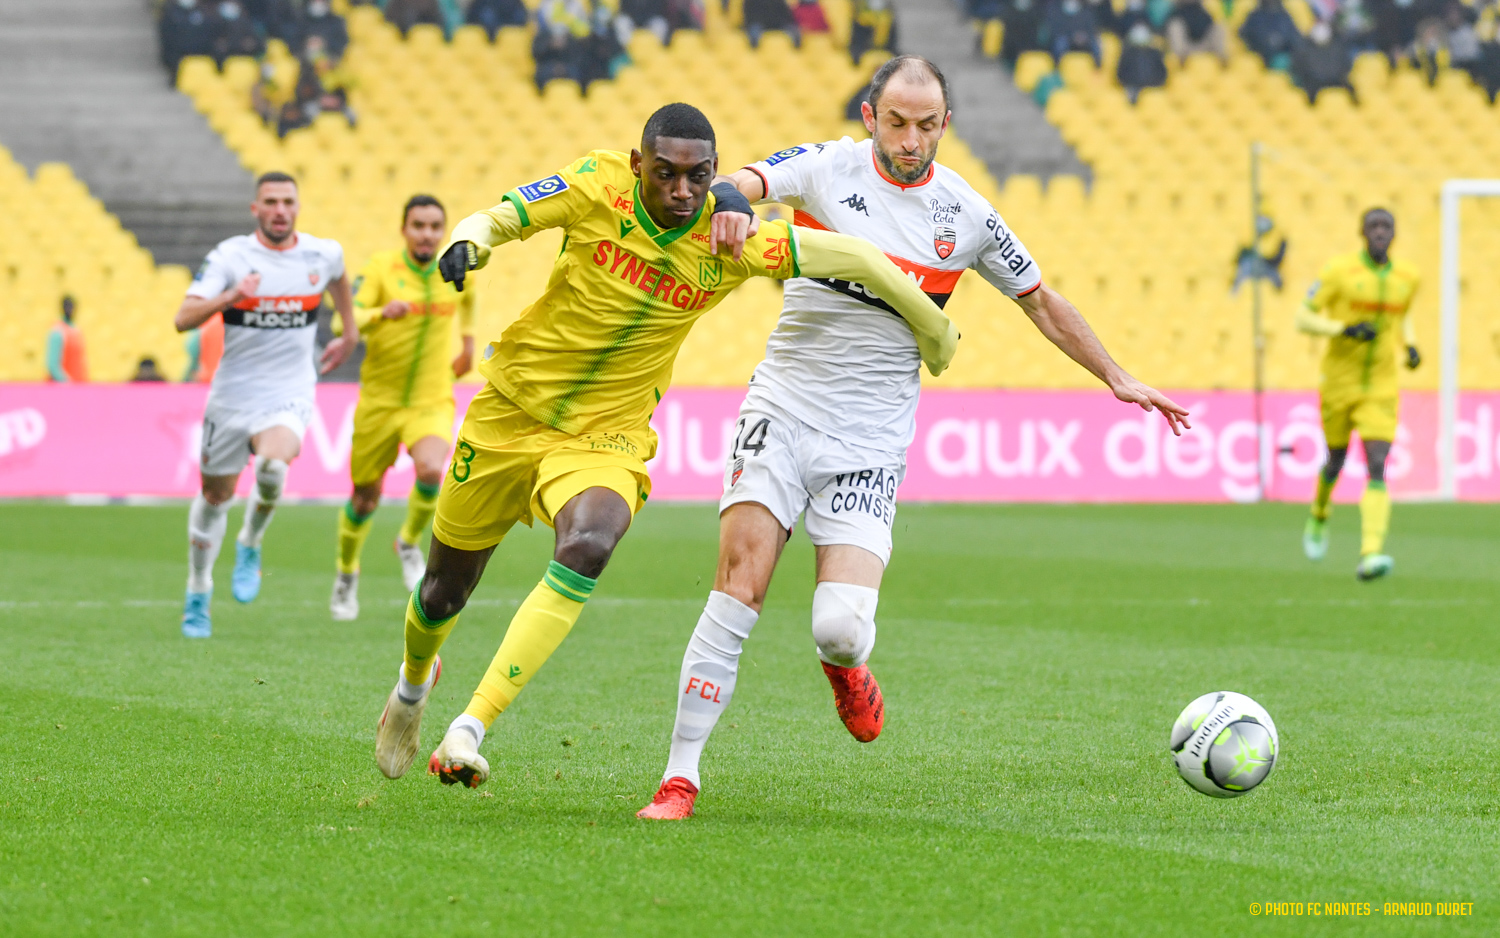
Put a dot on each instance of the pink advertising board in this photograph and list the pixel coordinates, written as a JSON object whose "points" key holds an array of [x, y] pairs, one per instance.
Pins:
{"points": [[142, 439]]}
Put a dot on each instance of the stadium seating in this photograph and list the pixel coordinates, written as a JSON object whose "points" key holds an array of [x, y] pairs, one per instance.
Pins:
{"points": [[60, 240]]}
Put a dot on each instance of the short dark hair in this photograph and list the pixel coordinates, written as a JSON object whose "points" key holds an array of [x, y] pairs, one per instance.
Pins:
{"points": [[417, 201], [274, 176], [680, 121], [1372, 211], [912, 66]]}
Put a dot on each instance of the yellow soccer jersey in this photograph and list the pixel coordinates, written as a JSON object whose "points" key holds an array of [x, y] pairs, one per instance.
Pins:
{"points": [[407, 360], [1351, 289], [595, 352]]}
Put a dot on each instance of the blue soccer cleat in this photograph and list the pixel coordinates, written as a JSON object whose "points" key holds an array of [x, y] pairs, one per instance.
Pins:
{"points": [[245, 582], [195, 621]]}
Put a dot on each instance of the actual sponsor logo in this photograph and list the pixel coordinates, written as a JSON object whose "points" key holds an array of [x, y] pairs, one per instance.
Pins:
{"points": [[944, 239], [543, 188], [1010, 249], [782, 156]]}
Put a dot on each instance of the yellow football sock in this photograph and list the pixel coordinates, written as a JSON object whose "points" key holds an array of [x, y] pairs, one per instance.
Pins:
{"points": [[352, 533], [423, 639], [539, 626], [1374, 518], [420, 505], [1321, 506]]}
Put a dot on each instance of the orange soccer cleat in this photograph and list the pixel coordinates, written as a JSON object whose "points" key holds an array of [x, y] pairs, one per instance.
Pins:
{"points": [[856, 694], [673, 801]]}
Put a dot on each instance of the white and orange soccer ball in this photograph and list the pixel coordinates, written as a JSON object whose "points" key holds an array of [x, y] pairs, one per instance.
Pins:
{"points": [[1224, 744]]}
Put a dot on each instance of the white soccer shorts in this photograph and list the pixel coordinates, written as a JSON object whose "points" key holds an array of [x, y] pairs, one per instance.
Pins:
{"points": [[225, 448], [848, 491]]}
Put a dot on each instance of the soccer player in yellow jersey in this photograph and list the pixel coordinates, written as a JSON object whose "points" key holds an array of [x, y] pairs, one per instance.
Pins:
{"points": [[1360, 303], [561, 430], [406, 313]]}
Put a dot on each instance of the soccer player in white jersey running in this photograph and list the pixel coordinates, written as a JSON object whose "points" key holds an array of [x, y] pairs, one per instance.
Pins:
{"points": [[268, 285], [830, 412]]}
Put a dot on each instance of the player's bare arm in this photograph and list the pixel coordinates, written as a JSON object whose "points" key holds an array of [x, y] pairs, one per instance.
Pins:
{"points": [[395, 309], [338, 350], [465, 359], [1065, 327], [732, 229], [196, 310]]}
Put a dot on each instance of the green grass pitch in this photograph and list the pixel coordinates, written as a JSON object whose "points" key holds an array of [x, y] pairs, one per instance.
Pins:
{"points": [[1032, 660]]}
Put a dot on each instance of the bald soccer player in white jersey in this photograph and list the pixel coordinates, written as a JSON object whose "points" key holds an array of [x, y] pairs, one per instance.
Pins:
{"points": [[268, 285], [830, 412]]}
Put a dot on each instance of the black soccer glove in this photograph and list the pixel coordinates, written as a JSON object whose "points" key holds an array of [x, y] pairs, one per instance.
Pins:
{"points": [[456, 263], [727, 198], [1361, 332], [1413, 358]]}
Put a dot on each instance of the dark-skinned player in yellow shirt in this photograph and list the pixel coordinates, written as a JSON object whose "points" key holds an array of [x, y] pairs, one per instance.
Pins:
{"points": [[561, 430]]}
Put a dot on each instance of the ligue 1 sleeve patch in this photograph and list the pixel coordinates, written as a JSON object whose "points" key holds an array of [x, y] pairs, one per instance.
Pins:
{"points": [[783, 155], [543, 189]]}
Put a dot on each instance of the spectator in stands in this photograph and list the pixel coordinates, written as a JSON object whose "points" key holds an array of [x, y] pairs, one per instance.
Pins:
{"points": [[321, 21], [145, 371], [1271, 34], [65, 357], [1070, 27], [234, 34], [560, 48], [333, 80], [275, 19], [1320, 61], [604, 48], [186, 28], [763, 16], [874, 27], [1192, 29], [1485, 67], [205, 346], [1355, 26], [404, 14], [1142, 64], [1023, 29], [1396, 25], [662, 17], [493, 15], [809, 16]]}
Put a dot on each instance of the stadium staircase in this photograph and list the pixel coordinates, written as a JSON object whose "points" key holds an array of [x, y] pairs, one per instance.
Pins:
{"points": [[1001, 123]]}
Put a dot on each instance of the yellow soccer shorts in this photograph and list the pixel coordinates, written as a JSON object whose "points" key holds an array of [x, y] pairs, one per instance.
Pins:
{"points": [[380, 428], [1372, 415], [508, 467]]}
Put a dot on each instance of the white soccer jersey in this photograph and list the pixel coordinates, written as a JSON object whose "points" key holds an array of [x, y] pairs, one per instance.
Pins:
{"points": [[840, 358], [268, 338]]}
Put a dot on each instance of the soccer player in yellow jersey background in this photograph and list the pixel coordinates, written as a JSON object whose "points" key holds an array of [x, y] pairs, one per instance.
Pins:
{"points": [[1360, 304], [561, 431], [406, 313]]}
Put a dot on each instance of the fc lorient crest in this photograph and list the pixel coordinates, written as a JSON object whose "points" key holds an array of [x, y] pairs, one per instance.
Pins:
{"points": [[944, 239], [312, 276]]}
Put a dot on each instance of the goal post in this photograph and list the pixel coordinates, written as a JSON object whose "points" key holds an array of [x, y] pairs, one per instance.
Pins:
{"points": [[1453, 191]]}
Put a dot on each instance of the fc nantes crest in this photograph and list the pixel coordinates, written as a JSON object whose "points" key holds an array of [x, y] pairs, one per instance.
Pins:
{"points": [[710, 272]]}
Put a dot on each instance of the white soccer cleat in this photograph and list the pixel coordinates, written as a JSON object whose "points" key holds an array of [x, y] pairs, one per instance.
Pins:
{"points": [[345, 601], [457, 760], [412, 563], [398, 735]]}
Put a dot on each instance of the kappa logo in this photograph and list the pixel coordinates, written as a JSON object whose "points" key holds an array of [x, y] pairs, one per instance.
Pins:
{"points": [[782, 156], [543, 188], [626, 227], [710, 272], [856, 202], [944, 239]]}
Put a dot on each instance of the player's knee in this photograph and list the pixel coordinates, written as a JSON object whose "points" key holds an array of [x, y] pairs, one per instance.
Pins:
{"points": [[843, 623], [270, 478], [586, 551], [441, 597], [365, 500], [1376, 452], [1335, 463]]}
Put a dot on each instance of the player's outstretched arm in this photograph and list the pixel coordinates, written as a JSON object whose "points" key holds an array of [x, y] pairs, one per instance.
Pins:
{"points": [[1312, 322], [468, 248], [830, 254], [730, 229], [1065, 327]]}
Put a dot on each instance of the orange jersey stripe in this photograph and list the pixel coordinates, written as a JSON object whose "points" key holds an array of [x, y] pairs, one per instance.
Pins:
{"points": [[932, 280]]}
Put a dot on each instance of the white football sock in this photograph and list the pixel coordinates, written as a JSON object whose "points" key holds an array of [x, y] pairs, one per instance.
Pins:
{"points": [[709, 668], [206, 524], [270, 477], [843, 623], [472, 724], [406, 690]]}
